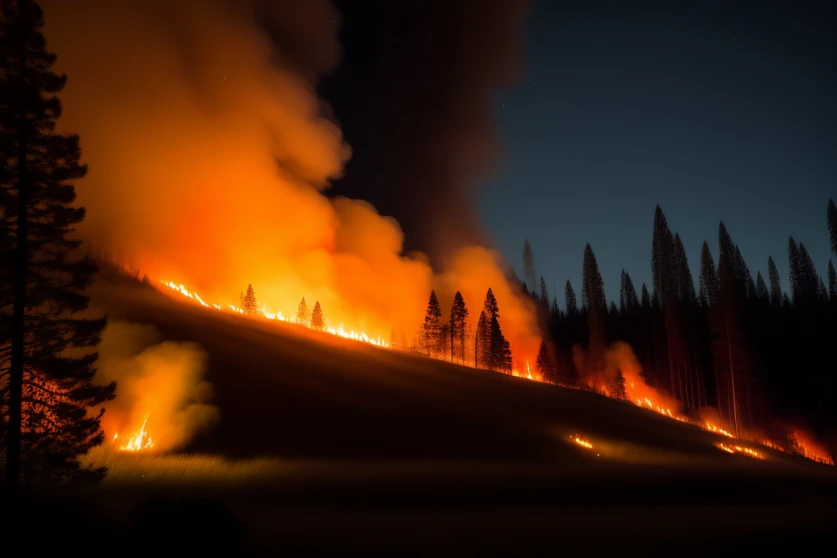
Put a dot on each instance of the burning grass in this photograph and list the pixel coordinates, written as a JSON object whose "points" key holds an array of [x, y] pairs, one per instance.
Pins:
{"points": [[741, 450]]}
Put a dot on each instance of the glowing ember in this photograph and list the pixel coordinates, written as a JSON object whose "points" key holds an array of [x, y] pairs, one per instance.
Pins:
{"points": [[139, 441], [735, 449], [581, 441]]}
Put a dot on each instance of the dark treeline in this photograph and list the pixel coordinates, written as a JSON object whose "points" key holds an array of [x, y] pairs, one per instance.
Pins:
{"points": [[453, 340], [750, 347]]}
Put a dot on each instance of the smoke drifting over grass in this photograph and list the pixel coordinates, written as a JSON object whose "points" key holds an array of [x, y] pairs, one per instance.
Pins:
{"points": [[158, 380], [208, 151]]}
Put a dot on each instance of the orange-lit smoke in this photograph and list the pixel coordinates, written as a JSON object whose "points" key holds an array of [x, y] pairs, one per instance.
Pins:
{"points": [[208, 152], [160, 382], [620, 356]]}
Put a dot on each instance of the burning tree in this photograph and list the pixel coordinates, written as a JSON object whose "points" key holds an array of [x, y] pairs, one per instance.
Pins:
{"points": [[317, 321], [303, 314], [432, 327], [250, 305], [47, 362], [458, 317]]}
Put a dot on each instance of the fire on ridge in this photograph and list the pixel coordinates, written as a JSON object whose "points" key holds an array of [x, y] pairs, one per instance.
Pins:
{"points": [[141, 440]]}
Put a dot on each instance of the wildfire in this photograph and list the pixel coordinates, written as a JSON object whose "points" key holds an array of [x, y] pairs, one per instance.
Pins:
{"points": [[735, 449], [642, 396], [139, 441], [581, 441], [278, 316], [712, 428]]}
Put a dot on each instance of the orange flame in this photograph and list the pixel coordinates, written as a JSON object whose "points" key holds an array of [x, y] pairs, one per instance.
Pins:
{"points": [[641, 395], [265, 313], [581, 441], [139, 441], [736, 449]]}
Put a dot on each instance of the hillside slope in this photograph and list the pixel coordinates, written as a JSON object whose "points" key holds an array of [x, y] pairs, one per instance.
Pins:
{"points": [[285, 390], [387, 447]]}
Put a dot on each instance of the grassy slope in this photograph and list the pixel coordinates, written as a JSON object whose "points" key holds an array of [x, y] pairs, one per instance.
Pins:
{"points": [[376, 445]]}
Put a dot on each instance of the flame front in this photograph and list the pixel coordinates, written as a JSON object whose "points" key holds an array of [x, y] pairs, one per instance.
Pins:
{"points": [[641, 395], [278, 316], [137, 442], [581, 441], [736, 449]]}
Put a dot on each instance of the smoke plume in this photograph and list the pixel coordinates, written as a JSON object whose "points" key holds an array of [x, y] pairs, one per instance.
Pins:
{"points": [[160, 381], [209, 152], [414, 98]]}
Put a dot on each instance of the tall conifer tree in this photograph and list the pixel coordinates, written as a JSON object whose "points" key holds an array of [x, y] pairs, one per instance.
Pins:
{"points": [[303, 314], [775, 282], [529, 264], [317, 321], [570, 300], [708, 277], [761, 289], [458, 320], [432, 327], [251, 305], [47, 388]]}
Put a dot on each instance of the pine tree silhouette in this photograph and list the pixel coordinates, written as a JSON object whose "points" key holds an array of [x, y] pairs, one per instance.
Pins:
{"points": [[684, 283], [490, 306], [317, 321], [45, 425], [570, 300], [500, 351], [251, 305], [775, 282], [617, 387], [546, 365], [761, 288], [482, 343], [457, 327], [822, 293], [432, 328], [528, 264], [708, 277], [662, 248], [303, 314], [631, 300], [646, 298], [832, 283], [593, 299], [832, 224]]}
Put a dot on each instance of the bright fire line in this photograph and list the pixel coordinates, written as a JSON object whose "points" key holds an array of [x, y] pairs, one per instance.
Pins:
{"points": [[644, 402]]}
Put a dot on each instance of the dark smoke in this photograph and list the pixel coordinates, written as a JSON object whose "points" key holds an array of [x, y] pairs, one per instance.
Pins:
{"points": [[412, 94]]}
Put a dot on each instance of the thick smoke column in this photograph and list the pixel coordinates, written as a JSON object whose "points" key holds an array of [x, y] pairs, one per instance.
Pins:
{"points": [[209, 151], [414, 98]]}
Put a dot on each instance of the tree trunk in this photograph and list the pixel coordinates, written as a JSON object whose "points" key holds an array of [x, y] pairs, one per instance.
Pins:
{"points": [[21, 260], [731, 375]]}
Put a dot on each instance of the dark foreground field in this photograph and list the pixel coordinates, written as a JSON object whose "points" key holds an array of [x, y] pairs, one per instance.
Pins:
{"points": [[331, 445]]}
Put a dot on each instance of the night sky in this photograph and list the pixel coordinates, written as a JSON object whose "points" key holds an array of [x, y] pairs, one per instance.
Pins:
{"points": [[716, 111]]}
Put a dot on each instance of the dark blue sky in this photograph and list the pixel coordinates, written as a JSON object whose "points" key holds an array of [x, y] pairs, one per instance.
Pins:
{"points": [[715, 113]]}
